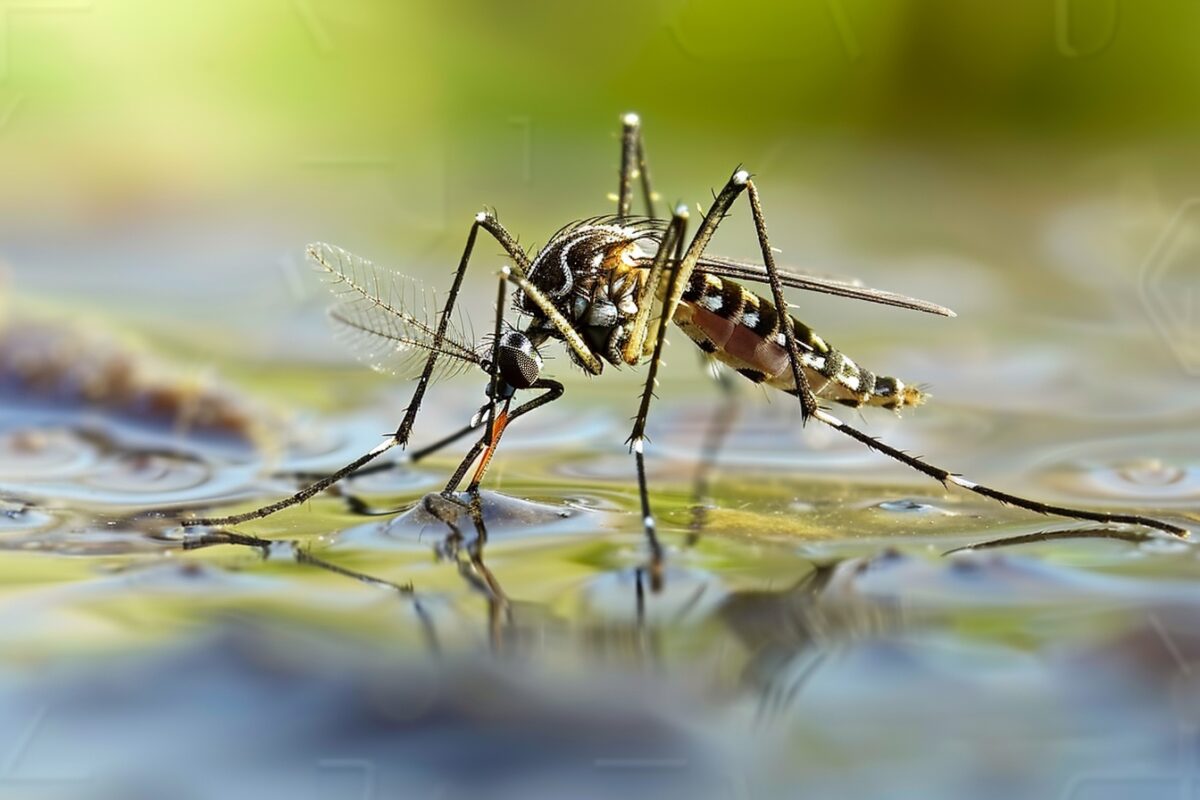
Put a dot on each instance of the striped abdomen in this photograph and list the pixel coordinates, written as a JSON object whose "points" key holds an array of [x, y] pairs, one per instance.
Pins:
{"points": [[741, 329]]}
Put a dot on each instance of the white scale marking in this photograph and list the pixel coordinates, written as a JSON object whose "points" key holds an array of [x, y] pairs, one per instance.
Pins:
{"points": [[827, 419]]}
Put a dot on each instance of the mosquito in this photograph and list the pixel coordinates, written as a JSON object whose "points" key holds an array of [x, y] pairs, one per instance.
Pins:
{"points": [[604, 286]]}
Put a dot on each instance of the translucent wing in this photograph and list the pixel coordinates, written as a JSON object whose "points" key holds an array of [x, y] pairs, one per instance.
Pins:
{"points": [[390, 320], [747, 271]]}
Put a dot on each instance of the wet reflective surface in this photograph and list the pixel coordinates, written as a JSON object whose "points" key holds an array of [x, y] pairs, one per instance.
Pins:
{"points": [[826, 627]]}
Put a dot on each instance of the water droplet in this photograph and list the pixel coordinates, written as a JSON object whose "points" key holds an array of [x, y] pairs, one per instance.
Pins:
{"points": [[910, 506], [1144, 479]]}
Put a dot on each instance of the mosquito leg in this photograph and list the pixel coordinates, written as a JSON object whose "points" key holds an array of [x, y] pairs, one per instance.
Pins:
{"points": [[496, 422], [672, 239], [684, 267], [551, 391], [808, 402], [469, 459], [633, 165], [416, 455], [646, 298], [719, 425], [740, 182], [704, 233], [411, 457], [946, 477], [488, 222], [491, 436]]}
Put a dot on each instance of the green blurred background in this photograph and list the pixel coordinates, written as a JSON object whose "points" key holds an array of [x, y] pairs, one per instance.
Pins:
{"points": [[1030, 163], [168, 161]]}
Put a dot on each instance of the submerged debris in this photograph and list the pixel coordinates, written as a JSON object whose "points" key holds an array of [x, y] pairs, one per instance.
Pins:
{"points": [[61, 367]]}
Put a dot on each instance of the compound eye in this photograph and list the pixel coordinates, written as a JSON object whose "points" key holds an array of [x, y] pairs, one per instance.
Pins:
{"points": [[518, 361]]}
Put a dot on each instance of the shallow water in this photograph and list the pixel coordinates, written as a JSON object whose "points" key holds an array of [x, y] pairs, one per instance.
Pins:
{"points": [[812, 634]]}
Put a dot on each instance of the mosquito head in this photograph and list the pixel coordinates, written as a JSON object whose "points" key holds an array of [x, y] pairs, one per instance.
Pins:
{"points": [[518, 360]]}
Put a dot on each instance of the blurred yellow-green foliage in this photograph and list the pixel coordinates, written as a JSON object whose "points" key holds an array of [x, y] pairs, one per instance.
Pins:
{"points": [[117, 97], [148, 146]]}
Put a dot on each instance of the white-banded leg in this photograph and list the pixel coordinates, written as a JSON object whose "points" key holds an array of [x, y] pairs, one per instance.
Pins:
{"points": [[741, 181], [672, 241], [488, 222], [945, 477], [633, 165], [500, 414], [809, 408], [551, 391], [410, 457]]}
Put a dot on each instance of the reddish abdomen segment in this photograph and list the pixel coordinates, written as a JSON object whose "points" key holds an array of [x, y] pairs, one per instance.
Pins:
{"points": [[741, 329]]}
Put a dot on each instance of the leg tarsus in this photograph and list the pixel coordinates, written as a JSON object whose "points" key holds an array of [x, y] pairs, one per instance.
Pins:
{"points": [[939, 474], [673, 239]]}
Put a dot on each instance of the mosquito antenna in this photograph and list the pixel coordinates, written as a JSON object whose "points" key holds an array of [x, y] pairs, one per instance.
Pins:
{"points": [[944, 477]]}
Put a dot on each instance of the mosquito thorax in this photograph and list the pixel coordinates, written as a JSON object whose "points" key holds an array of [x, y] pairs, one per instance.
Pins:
{"points": [[591, 271], [517, 360]]}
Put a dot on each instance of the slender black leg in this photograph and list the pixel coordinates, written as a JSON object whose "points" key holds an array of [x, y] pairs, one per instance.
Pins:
{"points": [[551, 391], [498, 420], [460, 473], [411, 457], [945, 477], [416, 455], [741, 181], [633, 165], [737, 183], [489, 223], [570, 335], [809, 407], [808, 403], [672, 239]]}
